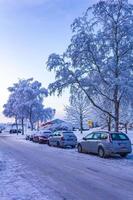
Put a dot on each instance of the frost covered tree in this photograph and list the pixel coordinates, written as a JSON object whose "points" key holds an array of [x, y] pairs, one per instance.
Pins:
{"points": [[78, 111], [10, 109], [103, 118], [26, 102], [126, 113], [100, 56]]}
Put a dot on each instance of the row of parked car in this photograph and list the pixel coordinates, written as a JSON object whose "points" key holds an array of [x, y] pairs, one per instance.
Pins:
{"points": [[13, 130], [102, 143], [58, 138]]}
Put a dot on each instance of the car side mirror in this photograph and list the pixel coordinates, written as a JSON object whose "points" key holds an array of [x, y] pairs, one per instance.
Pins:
{"points": [[84, 138]]}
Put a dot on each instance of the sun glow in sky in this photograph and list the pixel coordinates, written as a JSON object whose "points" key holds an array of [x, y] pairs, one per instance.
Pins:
{"points": [[30, 30]]}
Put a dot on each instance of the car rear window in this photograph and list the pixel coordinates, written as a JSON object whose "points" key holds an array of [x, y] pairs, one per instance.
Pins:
{"points": [[68, 133], [47, 133], [119, 136]]}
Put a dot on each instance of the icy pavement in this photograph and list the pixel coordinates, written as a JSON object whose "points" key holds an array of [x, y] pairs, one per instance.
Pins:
{"points": [[31, 171], [13, 185], [113, 162]]}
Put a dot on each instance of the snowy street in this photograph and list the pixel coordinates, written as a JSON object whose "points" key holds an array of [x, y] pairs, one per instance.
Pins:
{"points": [[38, 172], [66, 95]]}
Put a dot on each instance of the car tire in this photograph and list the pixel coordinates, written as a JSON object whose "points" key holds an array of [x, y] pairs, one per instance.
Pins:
{"points": [[73, 146], [101, 152], [49, 143], [39, 141], [79, 148], [58, 144], [123, 155]]}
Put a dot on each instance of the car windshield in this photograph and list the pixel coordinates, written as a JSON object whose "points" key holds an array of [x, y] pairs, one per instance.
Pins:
{"points": [[119, 136]]}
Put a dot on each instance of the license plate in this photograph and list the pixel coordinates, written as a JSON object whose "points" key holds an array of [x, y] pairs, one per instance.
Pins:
{"points": [[124, 149], [69, 139]]}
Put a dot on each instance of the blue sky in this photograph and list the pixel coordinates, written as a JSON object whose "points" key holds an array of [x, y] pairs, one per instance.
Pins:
{"points": [[29, 31]]}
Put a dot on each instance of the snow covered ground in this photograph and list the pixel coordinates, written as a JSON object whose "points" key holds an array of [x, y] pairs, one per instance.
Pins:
{"points": [[13, 185], [16, 185]]}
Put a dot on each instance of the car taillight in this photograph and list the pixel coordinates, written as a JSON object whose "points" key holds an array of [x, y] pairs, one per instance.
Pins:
{"points": [[110, 138]]}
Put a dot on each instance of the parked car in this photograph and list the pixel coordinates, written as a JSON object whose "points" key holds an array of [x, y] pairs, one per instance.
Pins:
{"points": [[105, 144], [15, 131], [63, 139], [42, 136], [30, 135]]}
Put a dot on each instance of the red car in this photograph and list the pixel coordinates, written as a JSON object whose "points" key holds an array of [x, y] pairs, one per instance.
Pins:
{"points": [[42, 136]]}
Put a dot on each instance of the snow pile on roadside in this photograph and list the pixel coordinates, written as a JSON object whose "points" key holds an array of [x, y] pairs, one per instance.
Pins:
{"points": [[13, 185]]}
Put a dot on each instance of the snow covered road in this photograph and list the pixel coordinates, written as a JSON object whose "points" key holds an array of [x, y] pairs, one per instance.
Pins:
{"points": [[38, 172]]}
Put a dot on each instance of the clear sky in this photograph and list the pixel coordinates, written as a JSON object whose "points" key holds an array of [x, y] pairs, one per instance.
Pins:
{"points": [[29, 31]]}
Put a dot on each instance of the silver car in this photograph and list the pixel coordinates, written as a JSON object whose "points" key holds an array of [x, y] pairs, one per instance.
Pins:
{"points": [[63, 139], [105, 144]]}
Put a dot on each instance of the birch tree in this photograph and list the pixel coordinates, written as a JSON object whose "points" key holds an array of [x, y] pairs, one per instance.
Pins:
{"points": [[99, 57], [26, 102], [78, 111]]}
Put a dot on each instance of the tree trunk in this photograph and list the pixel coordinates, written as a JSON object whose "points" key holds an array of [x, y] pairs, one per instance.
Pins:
{"points": [[38, 126], [22, 122], [31, 123], [126, 124], [116, 107], [109, 123], [117, 116], [81, 124], [16, 122], [116, 76]]}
